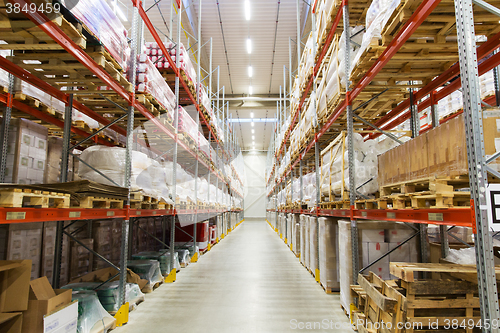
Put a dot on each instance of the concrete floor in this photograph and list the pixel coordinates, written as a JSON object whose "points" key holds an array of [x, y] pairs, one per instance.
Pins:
{"points": [[249, 282]]}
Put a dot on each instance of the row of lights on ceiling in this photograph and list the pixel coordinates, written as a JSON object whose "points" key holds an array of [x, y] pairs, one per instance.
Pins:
{"points": [[249, 44], [250, 68]]}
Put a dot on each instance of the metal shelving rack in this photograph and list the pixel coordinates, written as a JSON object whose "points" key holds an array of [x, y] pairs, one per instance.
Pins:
{"points": [[467, 69], [224, 150]]}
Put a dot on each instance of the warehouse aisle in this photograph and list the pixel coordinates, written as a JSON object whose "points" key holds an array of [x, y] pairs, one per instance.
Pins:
{"points": [[249, 282]]}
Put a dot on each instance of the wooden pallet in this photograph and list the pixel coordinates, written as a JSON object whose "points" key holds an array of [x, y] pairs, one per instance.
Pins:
{"points": [[33, 198], [98, 202], [335, 205], [426, 193], [329, 290], [429, 303]]}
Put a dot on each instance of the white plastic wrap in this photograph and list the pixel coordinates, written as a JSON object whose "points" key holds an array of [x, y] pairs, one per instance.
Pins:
{"points": [[313, 244], [150, 81], [147, 175], [328, 253], [105, 25]]}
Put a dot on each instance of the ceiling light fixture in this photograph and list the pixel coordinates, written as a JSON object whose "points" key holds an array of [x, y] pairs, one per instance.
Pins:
{"points": [[247, 10], [249, 45], [251, 114], [253, 137], [250, 71], [250, 90], [253, 123], [253, 131]]}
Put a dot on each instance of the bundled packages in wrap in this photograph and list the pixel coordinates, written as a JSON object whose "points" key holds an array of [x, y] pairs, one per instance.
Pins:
{"points": [[313, 245], [150, 81], [91, 314], [335, 167], [328, 250], [187, 125], [184, 258], [108, 293], [376, 239], [162, 257], [147, 270], [156, 54], [104, 24], [147, 175]]}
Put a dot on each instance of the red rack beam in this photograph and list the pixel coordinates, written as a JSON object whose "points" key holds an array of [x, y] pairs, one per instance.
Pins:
{"points": [[483, 67], [482, 51], [54, 92], [47, 118]]}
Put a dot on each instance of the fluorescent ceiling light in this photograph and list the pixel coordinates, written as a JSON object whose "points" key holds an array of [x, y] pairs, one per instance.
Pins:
{"points": [[253, 123], [249, 45], [250, 71], [251, 114], [253, 137], [253, 131], [247, 10], [250, 90]]}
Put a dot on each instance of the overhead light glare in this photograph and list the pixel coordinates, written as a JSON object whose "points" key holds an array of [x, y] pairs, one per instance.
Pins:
{"points": [[249, 45], [253, 124], [250, 90], [250, 71], [247, 10], [251, 114]]}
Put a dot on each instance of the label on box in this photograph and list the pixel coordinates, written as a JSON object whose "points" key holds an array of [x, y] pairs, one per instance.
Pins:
{"points": [[62, 321], [391, 215], [27, 139], [24, 161], [110, 213]]}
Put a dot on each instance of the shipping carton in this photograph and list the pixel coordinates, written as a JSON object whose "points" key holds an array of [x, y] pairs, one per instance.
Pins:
{"points": [[14, 285], [62, 320], [11, 322], [42, 301]]}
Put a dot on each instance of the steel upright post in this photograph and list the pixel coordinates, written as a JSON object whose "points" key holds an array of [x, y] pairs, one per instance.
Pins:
{"points": [[135, 44], [68, 112], [176, 128], [7, 111], [350, 147], [197, 128], [488, 296], [316, 157]]}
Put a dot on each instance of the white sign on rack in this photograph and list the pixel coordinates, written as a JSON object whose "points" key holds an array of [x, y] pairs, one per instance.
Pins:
{"points": [[493, 201]]}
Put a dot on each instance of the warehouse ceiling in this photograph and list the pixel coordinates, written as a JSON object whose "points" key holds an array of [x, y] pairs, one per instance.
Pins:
{"points": [[270, 26]]}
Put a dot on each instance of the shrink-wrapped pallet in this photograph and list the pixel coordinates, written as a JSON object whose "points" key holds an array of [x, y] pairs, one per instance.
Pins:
{"points": [[375, 238], [307, 245], [302, 234], [147, 175], [328, 253], [313, 244], [105, 25]]}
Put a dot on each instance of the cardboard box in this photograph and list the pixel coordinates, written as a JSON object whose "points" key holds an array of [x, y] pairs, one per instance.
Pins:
{"points": [[11, 322], [14, 285], [42, 301], [24, 241], [440, 152], [63, 320]]}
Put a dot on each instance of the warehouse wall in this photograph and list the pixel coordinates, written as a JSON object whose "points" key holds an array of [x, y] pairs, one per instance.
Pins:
{"points": [[255, 185]]}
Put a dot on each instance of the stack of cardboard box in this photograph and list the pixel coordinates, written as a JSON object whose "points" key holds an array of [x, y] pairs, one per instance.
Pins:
{"points": [[26, 152]]}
